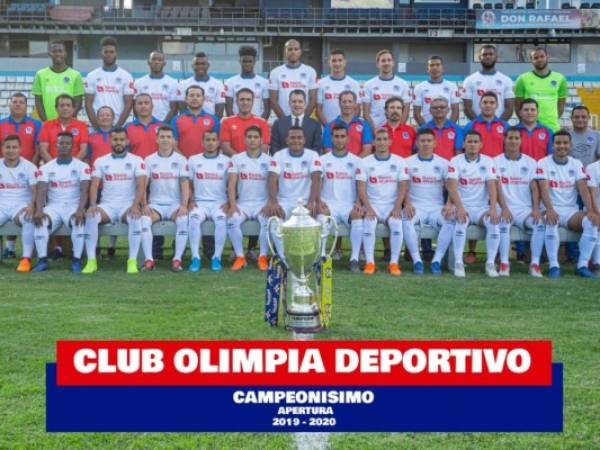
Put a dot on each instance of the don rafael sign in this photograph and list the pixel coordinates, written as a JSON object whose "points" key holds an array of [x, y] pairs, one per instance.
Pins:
{"points": [[525, 19]]}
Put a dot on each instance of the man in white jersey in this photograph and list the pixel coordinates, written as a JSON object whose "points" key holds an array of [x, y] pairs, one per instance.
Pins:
{"points": [[208, 173], [341, 171], [593, 171], [519, 200], [473, 192], [250, 80], [247, 193], [123, 179], [385, 85], [214, 91], [435, 86], [382, 193], [62, 194], [17, 194], [330, 87], [168, 196], [109, 85], [160, 87], [488, 79], [561, 177], [424, 204], [291, 76]]}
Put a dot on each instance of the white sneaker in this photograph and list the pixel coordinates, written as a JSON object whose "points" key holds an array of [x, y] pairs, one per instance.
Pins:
{"points": [[535, 271], [337, 255], [490, 270], [459, 270], [504, 270]]}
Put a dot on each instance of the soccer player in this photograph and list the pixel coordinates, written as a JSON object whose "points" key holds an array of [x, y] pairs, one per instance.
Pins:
{"points": [[208, 172], [561, 177], [123, 178], [341, 171], [448, 135], [247, 192], [489, 126], [360, 135], [424, 203], [17, 194], [330, 87], [20, 124], [193, 122], [233, 128], [382, 194], [585, 141], [168, 190], [250, 80], [56, 79], [161, 88], [109, 85], [65, 121], [488, 79], [402, 135], [519, 200], [141, 131], [473, 192], [385, 85], [435, 86], [61, 197], [213, 90], [99, 140], [593, 171], [291, 76], [536, 139], [547, 87]]}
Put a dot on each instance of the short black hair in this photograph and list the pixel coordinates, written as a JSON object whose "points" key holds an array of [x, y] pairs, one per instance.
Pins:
{"points": [[253, 128], [347, 92], [165, 127], [57, 42], [526, 101], [65, 134], [562, 132], [61, 96], [512, 129], [438, 57], [580, 108], [200, 55], [118, 130], [339, 126], [108, 40], [298, 92], [425, 131], [194, 86], [337, 51], [12, 137], [295, 128], [246, 90], [19, 95], [473, 133], [392, 100], [246, 50], [489, 94]]}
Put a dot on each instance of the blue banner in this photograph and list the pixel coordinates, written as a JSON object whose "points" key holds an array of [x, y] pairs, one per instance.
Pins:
{"points": [[495, 19]]}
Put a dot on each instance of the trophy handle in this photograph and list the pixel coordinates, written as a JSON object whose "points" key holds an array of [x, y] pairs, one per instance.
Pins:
{"points": [[277, 232], [330, 220]]}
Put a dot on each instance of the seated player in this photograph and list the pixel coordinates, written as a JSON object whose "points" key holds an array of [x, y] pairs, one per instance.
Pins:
{"points": [[123, 178], [62, 194], [519, 199], [168, 196], [561, 177], [593, 171], [382, 193], [208, 172], [473, 192], [247, 192]]}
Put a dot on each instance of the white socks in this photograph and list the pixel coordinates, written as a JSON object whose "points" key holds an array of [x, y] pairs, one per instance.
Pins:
{"points": [[41, 236], [181, 236], [78, 238], [234, 230], [552, 241], [369, 226], [356, 234], [444, 240], [458, 242], [587, 242], [395, 238], [91, 234], [220, 235], [195, 232], [492, 239], [411, 239]]}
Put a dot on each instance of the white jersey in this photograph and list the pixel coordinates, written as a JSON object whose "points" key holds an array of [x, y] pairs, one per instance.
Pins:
{"points": [[477, 84], [118, 175], [516, 176], [214, 92], [426, 91], [294, 174], [64, 180], [164, 174], [16, 182], [427, 178], [209, 177], [163, 91], [257, 84], [472, 177], [562, 179], [593, 171], [382, 178], [252, 177], [328, 93], [284, 80], [340, 174], [109, 87], [377, 90]]}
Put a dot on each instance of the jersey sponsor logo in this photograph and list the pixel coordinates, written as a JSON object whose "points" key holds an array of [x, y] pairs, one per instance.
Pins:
{"points": [[329, 175], [451, 135], [28, 130], [273, 163], [504, 180], [451, 169], [373, 180], [405, 135], [542, 136], [359, 128], [155, 176], [66, 80], [500, 129], [416, 179], [74, 131], [463, 181]]}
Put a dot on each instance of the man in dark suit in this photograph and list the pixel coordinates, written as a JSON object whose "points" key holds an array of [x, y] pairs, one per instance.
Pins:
{"points": [[311, 128]]}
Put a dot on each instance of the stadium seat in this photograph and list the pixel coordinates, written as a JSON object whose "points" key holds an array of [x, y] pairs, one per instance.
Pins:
{"points": [[595, 5], [477, 6], [530, 5], [487, 6], [509, 6], [584, 6], [498, 6]]}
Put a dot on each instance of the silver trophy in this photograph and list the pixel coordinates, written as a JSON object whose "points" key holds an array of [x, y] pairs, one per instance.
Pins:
{"points": [[301, 237]]}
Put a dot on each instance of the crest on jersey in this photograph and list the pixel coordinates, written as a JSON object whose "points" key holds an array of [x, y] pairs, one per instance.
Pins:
{"points": [[174, 165], [118, 79], [154, 166], [396, 87], [503, 169], [478, 83], [405, 135], [28, 130], [553, 83], [283, 75], [51, 174], [242, 165], [437, 169], [552, 173], [304, 164], [257, 85], [288, 165], [451, 135], [21, 176], [500, 129], [359, 128], [571, 173], [106, 167], [206, 122], [74, 173], [415, 169], [347, 87], [165, 87], [375, 88], [220, 166], [328, 165], [74, 131], [498, 82], [211, 89], [350, 165], [523, 170], [127, 166], [393, 167], [482, 169], [264, 166], [66, 80], [590, 139], [446, 89], [302, 75], [542, 136]]}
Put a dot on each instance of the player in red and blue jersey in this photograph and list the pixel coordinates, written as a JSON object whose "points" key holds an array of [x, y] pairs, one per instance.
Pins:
{"points": [[490, 127]]}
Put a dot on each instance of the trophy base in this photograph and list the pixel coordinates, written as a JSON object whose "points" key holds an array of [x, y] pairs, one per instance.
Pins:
{"points": [[303, 323]]}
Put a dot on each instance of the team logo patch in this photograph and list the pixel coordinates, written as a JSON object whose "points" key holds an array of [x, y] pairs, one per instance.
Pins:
{"points": [[165, 87], [106, 167], [542, 136], [257, 85], [206, 122], [28, 130], [446, 89], [242, 165], [396, 87], [523, 170], [211, 89], [499, 82], [350, 165], [74, 131], [220, 166], [393, 167], [302, 75], [415, 169], [347, 87], [502, 169], [478, 83], [264, 166], [127, 166], [328, 165], [405, 135], [553, 83], [552, 173], [359, 128], [571, 173], [451, 135], [21, 176], [74, 173], [51, 174], [482, 169], [437, 169], [500, 129], [66, 80], [118, 79], [590, 139], [174, 165], [304, 164], [154, 166]]}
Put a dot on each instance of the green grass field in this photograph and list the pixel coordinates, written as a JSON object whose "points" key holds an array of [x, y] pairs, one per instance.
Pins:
{"points": [[38, 309]]}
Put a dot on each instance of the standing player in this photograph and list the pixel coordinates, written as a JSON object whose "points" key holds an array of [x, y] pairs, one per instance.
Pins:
{"points": [[161, 88], [385, 85], [213, 90], [109, 85], [488, 79], [382, 194], [289, 77], [489, 126], [401, 135], [435, 86], [330, 87], [123, 178], [17, 194], [593, 171], [208, 172], [250, 80], [585, 140], [141, 131], [247, 193], [62, 194], [473, 192], [536, 139], [99, 140], [561, 177]]}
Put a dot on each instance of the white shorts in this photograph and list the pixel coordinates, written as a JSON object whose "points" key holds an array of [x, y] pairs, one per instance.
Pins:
{"points": [[565, 213], [208, 210], [251, 210], [520, 217], [59, 213], [476, 213], [114, 211], [164, 211], [10, 212], [287, 208], [431, 217], [383, 210], [340, 212]]}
